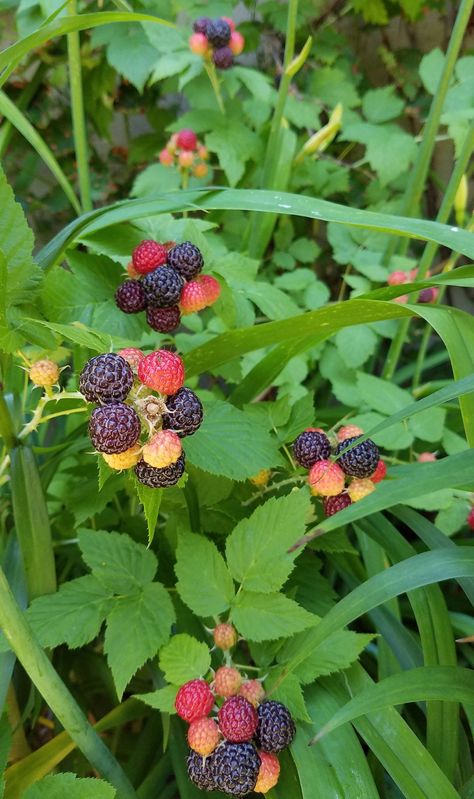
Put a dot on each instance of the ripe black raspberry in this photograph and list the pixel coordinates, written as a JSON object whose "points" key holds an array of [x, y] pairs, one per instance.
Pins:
{"points": [[114, 428], [163, 320], [186, 259], [311, 446], [333, 505], [106, 378], [200, 25], [235, 768], [184, 414], [361, 460], [276, 729], [162, 287], [200, 771], [218, 32], [130, 297], [223, 58], [160, 478]]}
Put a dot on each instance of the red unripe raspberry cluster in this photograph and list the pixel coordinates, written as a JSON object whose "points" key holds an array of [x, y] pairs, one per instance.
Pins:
{"points": [[184, 150], [216, 40]]}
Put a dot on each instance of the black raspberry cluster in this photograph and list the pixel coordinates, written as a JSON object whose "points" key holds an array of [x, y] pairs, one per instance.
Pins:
{"points": [[165, 281], [351, 476], [131, 426], [216, 40], [235, 733]]}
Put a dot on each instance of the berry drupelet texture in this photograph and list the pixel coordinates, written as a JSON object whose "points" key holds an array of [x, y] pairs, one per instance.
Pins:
{"points": [[227, 681], [200, 771], [163, 320], [311, 446], [184, 413], [160, 478], [194, 700], [130, 297], [223, 58], [332, 505], [235, 768], [148, 256], [268, 774], [187, 259], [203, 736], [326, 479], [237, 719], [162, 287], [276, 728], [361, 460], [162, 371], [218, 32], [114, 428], [44, 373], [106, 378], [225, 635]]}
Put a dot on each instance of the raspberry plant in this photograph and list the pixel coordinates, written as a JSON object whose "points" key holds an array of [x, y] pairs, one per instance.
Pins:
{"points": [[236, 404]]}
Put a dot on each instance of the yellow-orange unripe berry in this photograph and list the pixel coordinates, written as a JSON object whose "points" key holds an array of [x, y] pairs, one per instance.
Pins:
{"points": [[326, 479], [359, 489], [225, 636], [203, 736], [253, 691], [261, 479], [268, 774], [123, 460], [163, 449], [44, 373], [227, 681]]}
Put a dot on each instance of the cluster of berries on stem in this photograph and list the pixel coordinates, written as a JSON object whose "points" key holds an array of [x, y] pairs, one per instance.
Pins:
{"points": [[131, 426], [235, 733], [216, 40], [165, 281], [185, 151], [340, 476]]}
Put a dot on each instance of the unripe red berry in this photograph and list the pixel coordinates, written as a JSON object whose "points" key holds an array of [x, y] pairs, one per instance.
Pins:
{"points": [[186, 139], [194, 700], [132, 355], [236, 43], [470, 519], [326, 479], [186, 159], [227, 681], [148, 256], [379, 473], [360, 488], [269, 772], [203, 736], [198, 43], [397, 277], [163, 449], [166, 158], [253, 691], [163, 371], [200, 170], [348, 431]]}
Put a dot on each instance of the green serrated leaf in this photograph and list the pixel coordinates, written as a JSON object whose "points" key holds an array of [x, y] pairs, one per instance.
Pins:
{"points": [[265, 617], [213, 592], [146, 617], [184, 658], [150, 498], [116, 560], [251, 559], [60, 785], [162, 699], [336, 653]]}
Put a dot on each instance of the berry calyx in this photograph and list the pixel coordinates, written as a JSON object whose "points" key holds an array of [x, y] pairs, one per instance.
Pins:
{"points": [[227, 681], [349, 431], [162, 287], [163, 320], [253, 691], [326, 479], [332, 505], [44, 373], [276, 728], [198, 43], [380, 472], [184, 413], [194, 700], [186, 139], [148, 256], [106, 378], [130, 297], [359, 461], [236, 43], [237, 719], [203, 736], [162, 371], [235, 768], [132, 355], [114, 428], [360, 488], [123, 460], [160, 478], [269, 772], [187, 259], [311, 446], [163, 449], [225, 636]]}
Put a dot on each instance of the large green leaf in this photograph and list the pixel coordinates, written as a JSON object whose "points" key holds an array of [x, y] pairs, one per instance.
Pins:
{"points": [[436, 682]]}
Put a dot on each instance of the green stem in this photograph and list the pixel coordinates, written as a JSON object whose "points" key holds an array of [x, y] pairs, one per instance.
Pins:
{"points": [[77, 111], [212, 75], [36, 664], [418, 176], [431, 248], [7, 130], [6, 425]]}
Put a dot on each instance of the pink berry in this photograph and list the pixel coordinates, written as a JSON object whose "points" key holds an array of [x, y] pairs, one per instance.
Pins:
{"points": [[470, 518], [203, 736], [198, 43], [236, 43], [133, 356], [253, 691], [163, 371], [227, 681], [379, 473], [402, 300], [225, 636], [326, 479], [396, 278], [348, 431], [194, 700], [199, 293], [426, 457], [163, 449], [186, 139]]}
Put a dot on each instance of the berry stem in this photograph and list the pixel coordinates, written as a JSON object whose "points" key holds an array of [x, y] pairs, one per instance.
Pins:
{"points": [[212, 75], [38, 418], [6, 425]]}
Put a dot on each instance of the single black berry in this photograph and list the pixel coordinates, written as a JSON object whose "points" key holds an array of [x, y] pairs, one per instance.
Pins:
{"points": [[114, 428], [184, 413], [162, 287], [130, 297], [163, 320], [235, 768], [276, 728], [106, 378], [200, 25], [160, 478], [186, 259], [223, 58], [361, 460], [200, 771], [218, 32], [311, 446]]}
